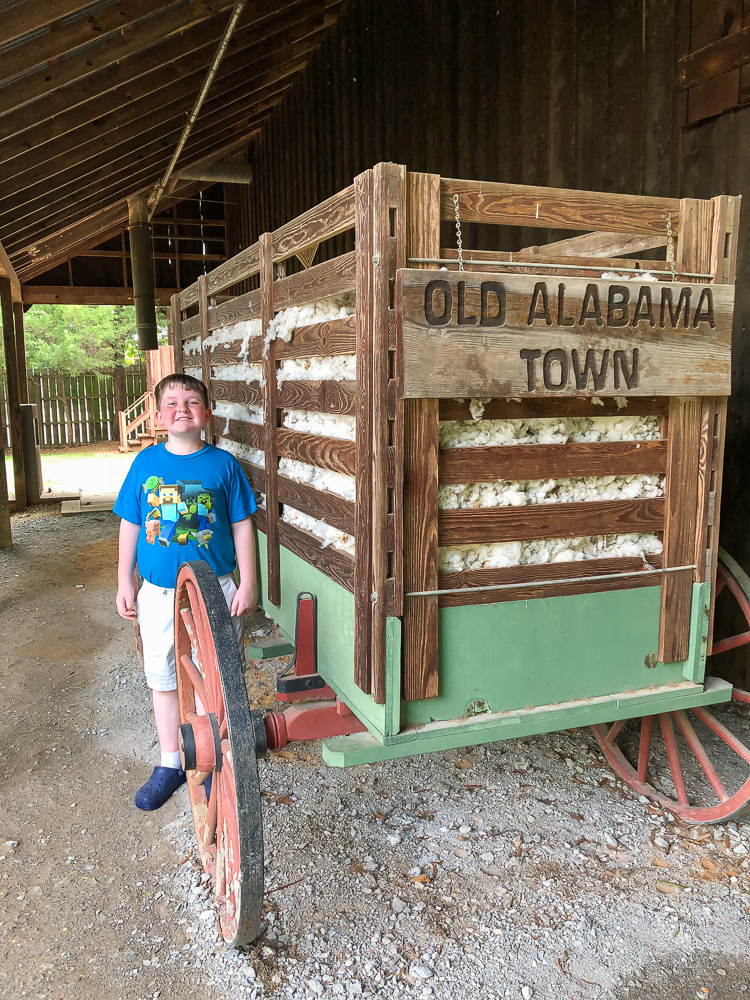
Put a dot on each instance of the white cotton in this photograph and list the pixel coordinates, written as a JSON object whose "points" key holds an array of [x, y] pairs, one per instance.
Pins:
{"points": [[243, 331], [547, 550], [330, 536], [243, 451], [476, 408], [540, 491], [341, 368], [238, 411], [321, 479], [546, 430], [639, 276], [238, 373], [192, 346], [285, 322], [195, 372], [334, 425]]}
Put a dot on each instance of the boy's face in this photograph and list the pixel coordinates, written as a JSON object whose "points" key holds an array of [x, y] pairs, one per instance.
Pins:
{"points": [[183, 412]]}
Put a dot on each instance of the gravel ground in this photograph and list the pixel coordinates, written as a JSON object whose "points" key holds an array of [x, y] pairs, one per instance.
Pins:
{"points": [[522, 869]]}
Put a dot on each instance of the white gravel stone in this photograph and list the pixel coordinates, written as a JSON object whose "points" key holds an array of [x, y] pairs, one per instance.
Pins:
{"points": [[418, 971]]}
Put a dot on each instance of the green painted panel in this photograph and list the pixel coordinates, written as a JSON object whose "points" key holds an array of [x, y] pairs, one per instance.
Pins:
{"points": [[334, 628], [521, 654]]}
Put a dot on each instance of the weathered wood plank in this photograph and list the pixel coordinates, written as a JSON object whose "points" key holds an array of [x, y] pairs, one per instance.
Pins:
{"points": [[462, 336], [320, 504], [507, 262], [228, 354], [549, 406], [321, 397], [339, 566], [549, 520], [362, 408], [237, 392], [329, 339], [256, 476], [273, 582], [552, 461], [600, 245], [421, 474], [314, 449], [332, 277], [331, 217], [235, 310], [191, 327], [176, 318], [243, 432], [528, 576], [554, 208], [711, 61], [14, 392]]}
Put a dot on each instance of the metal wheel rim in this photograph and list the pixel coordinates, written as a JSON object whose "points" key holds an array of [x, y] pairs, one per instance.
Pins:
{"points": [[235, 860]]}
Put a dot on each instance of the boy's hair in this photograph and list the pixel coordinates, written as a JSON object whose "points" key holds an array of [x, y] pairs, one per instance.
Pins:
{"points": [[180, 382]]}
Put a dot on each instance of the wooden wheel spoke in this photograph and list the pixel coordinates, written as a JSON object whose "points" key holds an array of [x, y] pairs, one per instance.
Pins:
{"points": [[700, 754], [644, 746], [195, 677], [729, 738], [667, 731], [615, 731]]}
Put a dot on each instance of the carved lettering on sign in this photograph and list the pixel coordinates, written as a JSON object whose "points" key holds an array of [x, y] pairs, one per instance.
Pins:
{"points": [[556, 369]]}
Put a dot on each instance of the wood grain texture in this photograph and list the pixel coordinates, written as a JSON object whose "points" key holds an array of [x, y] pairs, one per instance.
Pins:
{"points": [[549, 520], [176, 320], [204, 355], [260, 519], [256, 476], [330, 339], [421, 475], [331, 217], [554, 208], [552, 461], [339, 566], [320, 397], [237, 392], [332, 277], [515, 409], [270, 418], [244, 432], [314, 449], [363, 236], [600, 245], [714, 60], [228, 354], [320, 504], [679, 527], [706, 444], [520, 262], [464, 355], [191, 327], [396, 414], [528, 576], [235, 310], [14, 392]]}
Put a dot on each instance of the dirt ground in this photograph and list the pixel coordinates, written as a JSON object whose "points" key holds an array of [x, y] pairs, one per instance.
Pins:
{"points": [[547, 878], [96, 468]]}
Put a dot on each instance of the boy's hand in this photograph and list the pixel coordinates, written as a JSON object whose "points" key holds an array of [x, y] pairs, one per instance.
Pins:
{"points": [[126, 602], [244, 601]]}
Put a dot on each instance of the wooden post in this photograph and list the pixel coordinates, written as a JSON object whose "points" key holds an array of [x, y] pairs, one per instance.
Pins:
{"points": [[363, 196], [23, 378], [273, 584], [14, 406], [205, 359], [176, 316], [687, 423], [6, 538], [389, 209], [421, 475]]}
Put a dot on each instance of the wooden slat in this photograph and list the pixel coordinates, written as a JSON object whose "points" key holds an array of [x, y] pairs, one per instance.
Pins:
{"points": [[329, 339], [273, 581], [35, 14], [320, 397], [235, 310], [600, 245], [237, 392], [528, 576], [420, 655], [320, 504], [722, 56], [191, 327], [256, 475], [314, 449], [515, 409], [176, 317], [549, 520], [260, 519], [507, 262], [363, 187], [338, 566], [228, 354], [332, 277], [552, 461], [331, 217], [244, 265], [243, 432], [702, 557], [203, 317], [554, 208], [14, 392]]}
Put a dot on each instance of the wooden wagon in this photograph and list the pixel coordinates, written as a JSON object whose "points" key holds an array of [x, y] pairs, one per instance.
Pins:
{"points": [[405, 640]]}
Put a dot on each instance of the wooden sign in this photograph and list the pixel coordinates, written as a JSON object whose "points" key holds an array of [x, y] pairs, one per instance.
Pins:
{"points": [[473, 335]]}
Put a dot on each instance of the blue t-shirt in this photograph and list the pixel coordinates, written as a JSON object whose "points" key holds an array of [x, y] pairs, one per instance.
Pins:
{"points": [[184, 505]]}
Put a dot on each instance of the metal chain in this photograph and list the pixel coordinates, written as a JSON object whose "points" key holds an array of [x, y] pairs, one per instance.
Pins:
{"points": [[670, 245], [458, 235]]}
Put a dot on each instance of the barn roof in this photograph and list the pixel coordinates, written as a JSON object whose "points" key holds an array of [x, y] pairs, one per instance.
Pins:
{"points": [[94, 98]]}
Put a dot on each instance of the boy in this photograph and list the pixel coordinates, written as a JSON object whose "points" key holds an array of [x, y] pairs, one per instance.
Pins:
{"points": [[181, 500]]}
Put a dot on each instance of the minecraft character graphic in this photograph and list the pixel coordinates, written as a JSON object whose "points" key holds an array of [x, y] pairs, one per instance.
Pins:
{"points": [[168, 509], [152, 529], [180, 512], [202, 509]]}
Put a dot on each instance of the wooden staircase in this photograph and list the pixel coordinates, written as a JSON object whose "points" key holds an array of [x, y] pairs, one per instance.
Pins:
{"points": [[141, 429]]}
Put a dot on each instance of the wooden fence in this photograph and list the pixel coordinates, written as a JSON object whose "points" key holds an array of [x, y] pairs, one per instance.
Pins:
{"points": [[76, 410]]}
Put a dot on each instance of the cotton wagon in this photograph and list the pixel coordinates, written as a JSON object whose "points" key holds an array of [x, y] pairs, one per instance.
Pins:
{"points": [[489, 487]]}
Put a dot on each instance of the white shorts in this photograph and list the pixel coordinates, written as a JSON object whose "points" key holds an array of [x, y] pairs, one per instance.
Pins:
{"points": [[155, 610]]}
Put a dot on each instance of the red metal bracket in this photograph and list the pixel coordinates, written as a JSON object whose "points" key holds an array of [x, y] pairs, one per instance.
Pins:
{"points": [[316, 720], [301, 680]]}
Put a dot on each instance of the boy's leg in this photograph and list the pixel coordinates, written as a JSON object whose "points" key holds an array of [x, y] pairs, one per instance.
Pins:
{"points": [[156, 620]]}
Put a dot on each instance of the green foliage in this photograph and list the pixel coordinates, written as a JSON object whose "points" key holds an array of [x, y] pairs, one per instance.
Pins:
{"points": [[77, 340]]}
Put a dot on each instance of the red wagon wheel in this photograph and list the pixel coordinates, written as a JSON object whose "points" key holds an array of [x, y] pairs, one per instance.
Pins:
{"points": [[696, 763], [220, 739]]}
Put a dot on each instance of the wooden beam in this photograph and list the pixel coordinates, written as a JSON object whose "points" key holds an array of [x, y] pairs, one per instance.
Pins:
{"points": [[14, 407], [713, 60], [34, 14], [7, 271], [23, 378], [599, 245], [119, 83], [270, 419], [87, 295]]}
